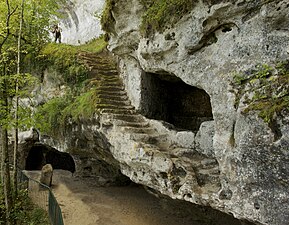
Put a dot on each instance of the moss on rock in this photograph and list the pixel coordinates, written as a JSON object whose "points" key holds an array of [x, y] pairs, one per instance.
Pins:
{"points": [[270, 88]]}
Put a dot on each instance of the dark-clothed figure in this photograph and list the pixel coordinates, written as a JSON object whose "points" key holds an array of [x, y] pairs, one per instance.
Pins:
{"points": [[57, 33]]}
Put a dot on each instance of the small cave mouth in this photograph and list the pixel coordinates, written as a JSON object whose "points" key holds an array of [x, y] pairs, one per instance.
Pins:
{"points": [[166, 97], [41, 154]]}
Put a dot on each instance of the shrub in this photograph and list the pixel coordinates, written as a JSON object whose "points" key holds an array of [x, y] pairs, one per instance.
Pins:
{"points": [[49, 116], [24, 211], [270, 86], [160, 13], [107, 21], [63, 58]]}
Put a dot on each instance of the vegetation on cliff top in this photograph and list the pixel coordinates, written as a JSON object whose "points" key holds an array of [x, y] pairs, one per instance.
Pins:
{"points": [[64, 59], [270, 88], [158, 14], [162, 13], [80, 101], [55, 113], [107, 21]]}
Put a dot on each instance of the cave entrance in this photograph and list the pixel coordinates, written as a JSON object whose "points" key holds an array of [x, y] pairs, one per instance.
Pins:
{"points": [[166, 97], [41, 154]]}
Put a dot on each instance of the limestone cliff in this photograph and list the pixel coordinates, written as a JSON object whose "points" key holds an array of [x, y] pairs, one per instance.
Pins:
{"points": [[203, 50], [79, 21], [182, 118]]}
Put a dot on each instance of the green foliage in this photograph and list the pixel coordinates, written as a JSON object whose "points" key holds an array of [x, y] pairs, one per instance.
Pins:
{"points": [[160, 13], [270, 86], [25, 84], [49, 116], [55, 113], [83, 106], [63, 58], [94, 46], [79, 102], [107, 21], [24, 212]]}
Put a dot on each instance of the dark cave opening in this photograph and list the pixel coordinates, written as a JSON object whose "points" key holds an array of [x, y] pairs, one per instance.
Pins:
{"points": [[41, 154], [166, 97], [35, 159]]}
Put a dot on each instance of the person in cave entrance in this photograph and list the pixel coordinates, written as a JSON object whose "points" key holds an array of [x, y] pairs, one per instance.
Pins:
{"points": [[57, 33]]}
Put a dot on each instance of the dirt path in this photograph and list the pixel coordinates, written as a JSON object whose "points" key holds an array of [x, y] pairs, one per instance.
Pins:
{"points": [[83, 203]]}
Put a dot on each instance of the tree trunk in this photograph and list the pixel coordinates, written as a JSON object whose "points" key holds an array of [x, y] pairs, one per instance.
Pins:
{"points": [[5, 161], [15, 163]]}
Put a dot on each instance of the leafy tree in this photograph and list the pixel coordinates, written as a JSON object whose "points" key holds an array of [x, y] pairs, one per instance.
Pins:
{"points": [[24, 29]]}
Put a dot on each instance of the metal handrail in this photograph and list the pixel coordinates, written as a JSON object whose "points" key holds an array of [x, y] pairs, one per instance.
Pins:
{"points": [[42, 196]]}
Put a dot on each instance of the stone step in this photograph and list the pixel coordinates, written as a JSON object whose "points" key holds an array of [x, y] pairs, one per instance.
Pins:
{"points": [[123, 123], [113, 97], [152, 138], [144, 130], [110, 78], [113, 102], [114, 107], [101, 72], [112, 83], [96, 60], [117, 111], [103, 68], [99, 65], [129, 118], [110, 88], [104, 83], [110, 92]]}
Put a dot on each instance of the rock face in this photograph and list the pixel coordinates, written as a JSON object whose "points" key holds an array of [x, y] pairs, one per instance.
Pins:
{"points": [[46, 175], [230, 161], [80, 21], [171, 121]]}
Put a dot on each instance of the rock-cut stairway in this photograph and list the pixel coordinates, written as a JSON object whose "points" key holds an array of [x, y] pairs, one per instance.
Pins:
{"points": [[112, 97], [114, 102]]}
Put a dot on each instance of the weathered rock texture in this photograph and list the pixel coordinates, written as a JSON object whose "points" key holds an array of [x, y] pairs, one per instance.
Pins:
{"points": [[197, 145], [46, 175], [80, 20], [233, 161]]}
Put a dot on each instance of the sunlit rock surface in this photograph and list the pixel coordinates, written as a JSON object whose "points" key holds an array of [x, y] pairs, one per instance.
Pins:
{"points": [[80, 22], [203, 49], [186, 137]]}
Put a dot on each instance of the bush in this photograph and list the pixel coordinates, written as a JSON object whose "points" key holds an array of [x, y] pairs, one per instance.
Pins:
{"points": [[270, 85], [160, 13], [24, 211], [107, 21], [54, 114], [63, 58], [49, 116]]}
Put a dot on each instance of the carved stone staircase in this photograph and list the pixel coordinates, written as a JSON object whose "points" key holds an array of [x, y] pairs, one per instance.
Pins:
{"points": [[114, 103]]}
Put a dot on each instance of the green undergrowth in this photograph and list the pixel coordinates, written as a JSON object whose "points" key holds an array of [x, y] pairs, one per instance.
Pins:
{"points": [[79, 101], [107, 21], [57, 112], [93, 46], [24, 211], [158, 14], [161, 13], [264, 89], [64, 59]]}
